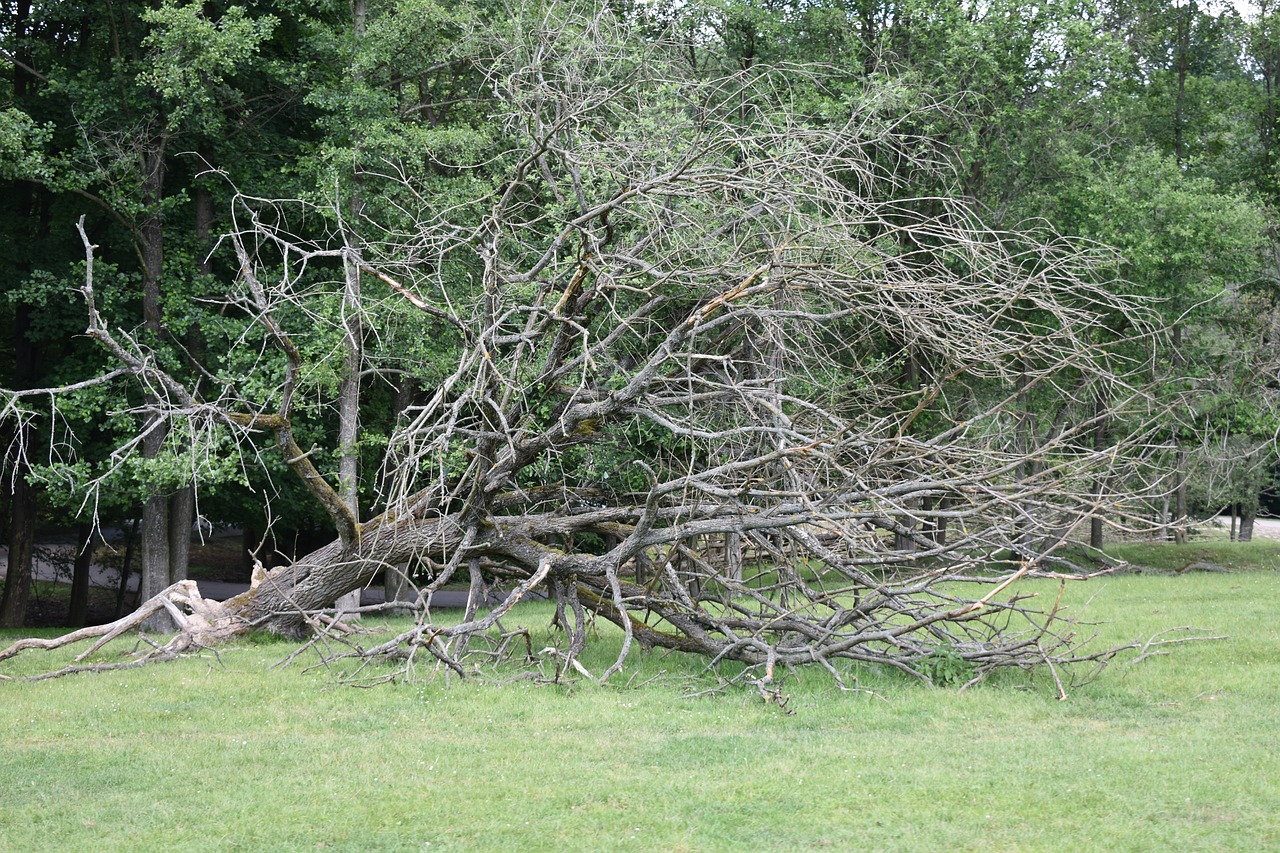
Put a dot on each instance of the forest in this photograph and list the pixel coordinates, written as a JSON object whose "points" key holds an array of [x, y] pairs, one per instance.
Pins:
{"points": [[749, 326]]}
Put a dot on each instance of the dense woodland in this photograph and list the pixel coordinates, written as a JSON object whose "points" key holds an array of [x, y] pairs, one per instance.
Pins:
{"points": [[736, 323]]}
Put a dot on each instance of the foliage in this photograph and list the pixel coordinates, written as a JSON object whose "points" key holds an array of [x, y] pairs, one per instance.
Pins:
{"points": [[191, 57], [22, 144]]}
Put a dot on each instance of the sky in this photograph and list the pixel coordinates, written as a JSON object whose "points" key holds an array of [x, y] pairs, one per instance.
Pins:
{"points": [[1248, 9]]}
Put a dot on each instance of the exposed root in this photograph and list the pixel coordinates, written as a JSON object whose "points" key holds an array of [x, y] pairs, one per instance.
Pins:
{"points": [[202, 623]]}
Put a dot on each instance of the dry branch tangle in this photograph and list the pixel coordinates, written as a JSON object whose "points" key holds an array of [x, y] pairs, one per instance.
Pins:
{"points": [[718, 378]]}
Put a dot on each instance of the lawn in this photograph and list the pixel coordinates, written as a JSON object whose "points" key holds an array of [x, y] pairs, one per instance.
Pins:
{"points": [[1177, 752]]}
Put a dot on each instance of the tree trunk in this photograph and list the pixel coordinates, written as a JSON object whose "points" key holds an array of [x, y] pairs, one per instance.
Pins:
{"points": [[733, 557], [78, 613], [155, 514], [396, 584], [349, 406], [155, 556], [22, 530], [353, 340], [182, 510], [1099, 483], [942, 523], [1024, 432], [1180, 499], [130, 546], [182, 504], [1095, 532], [22, 536], [902, 539], [315, 581], [398, 587], [1248, 513]]}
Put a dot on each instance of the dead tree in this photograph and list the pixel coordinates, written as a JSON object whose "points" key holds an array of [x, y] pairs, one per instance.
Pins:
{"points": [[677, 311]]}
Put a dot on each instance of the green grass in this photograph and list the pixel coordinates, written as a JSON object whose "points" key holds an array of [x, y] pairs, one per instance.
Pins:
{"points": [[1175, 753], [1260, 554]]}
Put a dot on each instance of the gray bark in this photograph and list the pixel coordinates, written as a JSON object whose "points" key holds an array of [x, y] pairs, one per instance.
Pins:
{"points": [[349, 409], [320, 578], [1099, 483], [733, 556], [154, 549], [349, 392], [182, 508], [396, 581], [1180, 499], [155, 556], [1248, 513]]}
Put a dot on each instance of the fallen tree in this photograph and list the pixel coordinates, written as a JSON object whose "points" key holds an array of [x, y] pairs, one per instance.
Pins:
{"points": [[717, 376]]}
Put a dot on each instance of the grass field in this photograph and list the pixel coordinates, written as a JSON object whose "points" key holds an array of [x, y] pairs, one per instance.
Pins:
{"points": [[1178, 752]]}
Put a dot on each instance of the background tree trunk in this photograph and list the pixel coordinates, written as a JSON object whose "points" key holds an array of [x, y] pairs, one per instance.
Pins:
{"points": [[1099, 483], [349, 406], [182, 509], [126, 568], [155, 545], [22, 534], [397, 585], [1248, 513], [22, 521], [78, 612], [1183, 475], [353, 340]]}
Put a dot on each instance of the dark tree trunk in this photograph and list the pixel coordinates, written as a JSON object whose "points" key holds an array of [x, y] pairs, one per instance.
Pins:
{"points": [[22, 524], [78, 614], [248, 543], [155, 555], [902, 538], [22, 535], [1248, 514], [22, 519], [130, 545], [182, 504]]}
